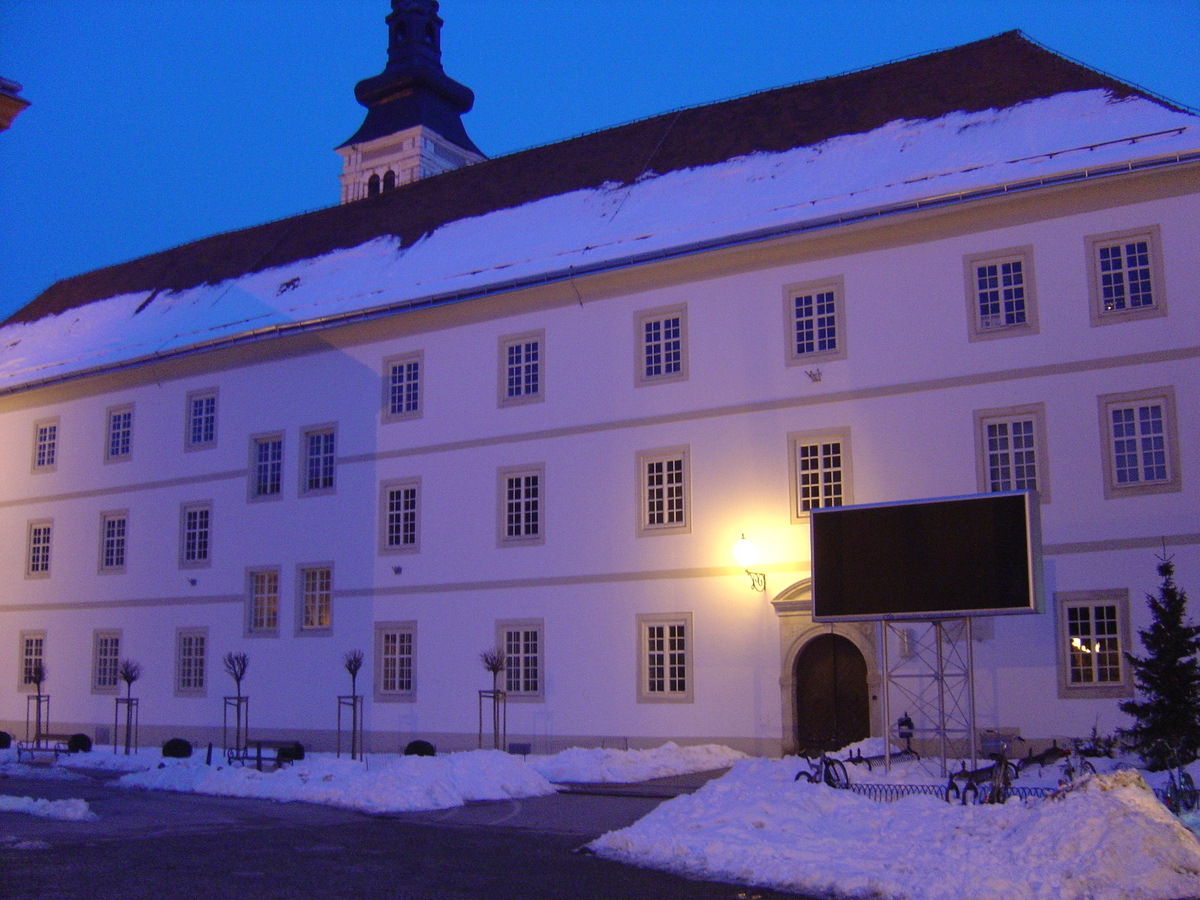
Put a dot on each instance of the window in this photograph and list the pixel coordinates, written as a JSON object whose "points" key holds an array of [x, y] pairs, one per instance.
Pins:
{"points": [[664, 658], [1011, 450], [814, 321], [400, 524], [523, 651], [402, 387], [319, 460], [315, 613], [113, 527], [266, 466], [661, 341], [663, 486], [820, 471], [521, 368], [389, 180], [1125, 276], [195, 525], [395, 655], [191, 646], [45, 445], [1000, 294], [520, 505], [1141, 447], [373, 186], [37, 557], [106, 653], [201, 419], [1093, 634], [119, 434], [262, 606], [32, 660]]}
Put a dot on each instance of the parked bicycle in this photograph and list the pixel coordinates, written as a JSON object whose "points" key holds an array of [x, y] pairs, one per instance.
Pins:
{"points": [[1179, 793], [825, 770], [1075, 765], [998, 777]]}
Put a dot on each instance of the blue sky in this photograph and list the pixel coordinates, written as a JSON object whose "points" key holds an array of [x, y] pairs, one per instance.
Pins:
{"points": [[156, 122]]}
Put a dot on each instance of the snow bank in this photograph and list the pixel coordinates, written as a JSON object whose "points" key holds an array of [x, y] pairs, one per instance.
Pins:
{"points": [[1108, 839], [625, 766], [68, 810]]}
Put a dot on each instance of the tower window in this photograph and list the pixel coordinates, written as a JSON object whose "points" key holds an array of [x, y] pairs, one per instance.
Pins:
{"points": [[373, 186], [389, 180]]}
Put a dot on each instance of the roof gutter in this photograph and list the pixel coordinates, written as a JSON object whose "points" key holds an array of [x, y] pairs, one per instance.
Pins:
{"points": [[625, 262]]}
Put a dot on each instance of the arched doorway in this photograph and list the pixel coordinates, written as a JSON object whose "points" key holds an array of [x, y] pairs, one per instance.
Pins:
{"points": [[832, 695]]}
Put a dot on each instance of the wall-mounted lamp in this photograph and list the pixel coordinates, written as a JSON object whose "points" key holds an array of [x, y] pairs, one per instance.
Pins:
{"points": [[746, 555]]}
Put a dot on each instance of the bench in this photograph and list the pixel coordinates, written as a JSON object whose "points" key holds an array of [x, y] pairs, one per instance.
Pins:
{"points": [[44, 744], [276, 753]]}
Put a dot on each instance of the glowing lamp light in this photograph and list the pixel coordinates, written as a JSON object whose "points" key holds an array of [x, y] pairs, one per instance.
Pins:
{"points": [[745, 554]]}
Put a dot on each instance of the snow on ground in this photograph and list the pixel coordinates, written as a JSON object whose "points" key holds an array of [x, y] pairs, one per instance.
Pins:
{"points": [[755, 825], [70, 810]]}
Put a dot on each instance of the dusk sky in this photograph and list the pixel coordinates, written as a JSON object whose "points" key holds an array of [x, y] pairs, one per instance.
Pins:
{"points": [[156, 122]]}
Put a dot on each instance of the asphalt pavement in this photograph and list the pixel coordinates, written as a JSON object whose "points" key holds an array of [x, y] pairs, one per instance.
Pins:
{"points": [[154, 844]]}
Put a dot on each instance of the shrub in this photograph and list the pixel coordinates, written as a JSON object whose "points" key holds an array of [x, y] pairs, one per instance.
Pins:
{"points": [[419, 748], [5, 740], [176, 748], [293, 752], [79, 743]]}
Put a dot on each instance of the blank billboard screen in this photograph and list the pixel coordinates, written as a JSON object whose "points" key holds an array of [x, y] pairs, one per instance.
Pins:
{"points": [[927, 559]]}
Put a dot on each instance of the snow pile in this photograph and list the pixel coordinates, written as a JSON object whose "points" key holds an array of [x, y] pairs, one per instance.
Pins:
{"points": [[399, 784], [1108, 839], [68, 810], [626, 766]]}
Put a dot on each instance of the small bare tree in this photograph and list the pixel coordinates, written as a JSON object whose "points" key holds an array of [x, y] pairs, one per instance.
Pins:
{"points": [[236, 665], [353, 661], [495, 661], [130, 672]]}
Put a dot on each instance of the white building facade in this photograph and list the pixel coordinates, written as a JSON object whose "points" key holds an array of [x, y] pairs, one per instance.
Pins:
{"points": [[559, 464]]}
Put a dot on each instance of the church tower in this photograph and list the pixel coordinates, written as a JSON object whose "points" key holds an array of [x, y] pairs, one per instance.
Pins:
{"points": [[413, 127]]}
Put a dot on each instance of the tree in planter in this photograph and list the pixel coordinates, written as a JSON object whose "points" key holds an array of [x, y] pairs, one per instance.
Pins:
{"points": [[1167, 712], [37, 674], [130, 672], [495, 661], [236, 665], [353, 662]]}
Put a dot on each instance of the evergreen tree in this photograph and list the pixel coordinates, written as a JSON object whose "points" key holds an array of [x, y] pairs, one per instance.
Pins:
{"points": [[1167, 711]]}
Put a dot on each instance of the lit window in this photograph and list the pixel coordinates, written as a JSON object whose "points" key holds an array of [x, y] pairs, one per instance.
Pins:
{"points": [[264, 601], [316, 594], [1093, 635]]}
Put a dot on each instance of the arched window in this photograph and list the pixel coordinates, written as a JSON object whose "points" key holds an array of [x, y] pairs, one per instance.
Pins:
{"points": [[373, 186], [389, 180]]}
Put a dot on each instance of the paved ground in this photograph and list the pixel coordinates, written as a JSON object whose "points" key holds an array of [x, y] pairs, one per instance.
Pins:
{"points": [[148, 844]]}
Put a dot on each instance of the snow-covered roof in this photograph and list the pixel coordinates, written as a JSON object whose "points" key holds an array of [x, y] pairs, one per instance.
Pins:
{"points": [[996, 115]]}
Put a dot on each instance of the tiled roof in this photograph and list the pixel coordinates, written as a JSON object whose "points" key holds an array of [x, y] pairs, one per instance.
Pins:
{"points": [[998, 72]]}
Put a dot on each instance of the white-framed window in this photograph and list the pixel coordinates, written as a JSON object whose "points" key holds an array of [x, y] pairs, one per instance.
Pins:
{"points": [[1010, 447], [1141, 444], [665, 658], [400, 516], [521, 505], [819, 471], [664, 491], [37, 552], [45, 445], [521, 367], [660, 340], [262, 602], [266, 466], [195, 534], [320, 459], [524, 652], [395, 661], [201, 419], [1001, 301], [106, 655], [31, 660], [315, 612], [402, 386], [118, 439], [1093, 634], [1125, 276], [114, 527], [814, 321], [191, 657]]}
